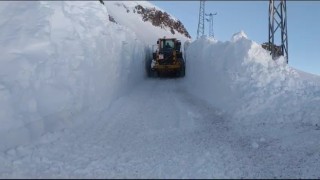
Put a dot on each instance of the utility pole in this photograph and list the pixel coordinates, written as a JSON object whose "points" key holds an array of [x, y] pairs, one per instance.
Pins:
{"points": [[200, 31], [210, 20], [278, 24]]}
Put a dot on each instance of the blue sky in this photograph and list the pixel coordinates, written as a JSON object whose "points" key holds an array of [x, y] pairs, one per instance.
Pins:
{"points": [[252, 18]]}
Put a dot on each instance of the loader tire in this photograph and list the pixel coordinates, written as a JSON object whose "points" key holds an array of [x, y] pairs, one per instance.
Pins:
{"points": [[148, 68], [182, 71]]}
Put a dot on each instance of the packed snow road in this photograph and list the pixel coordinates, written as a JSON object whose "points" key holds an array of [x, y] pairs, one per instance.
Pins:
{"points": [[155, 131]]}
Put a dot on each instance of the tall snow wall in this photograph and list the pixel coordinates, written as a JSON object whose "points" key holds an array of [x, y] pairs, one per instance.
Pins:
{"points": [[60, 59], [240, 78]]}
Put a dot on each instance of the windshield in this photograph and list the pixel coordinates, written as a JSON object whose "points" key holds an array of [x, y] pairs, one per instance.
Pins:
{"points": [[166, 44]]}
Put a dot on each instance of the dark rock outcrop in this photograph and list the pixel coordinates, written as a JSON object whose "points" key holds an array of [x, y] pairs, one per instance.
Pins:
{"points": [[161, 19], [268, 46], [112, 19]]}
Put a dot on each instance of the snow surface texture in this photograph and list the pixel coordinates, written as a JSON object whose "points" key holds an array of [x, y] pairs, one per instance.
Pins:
{"points": [[55, 58]]}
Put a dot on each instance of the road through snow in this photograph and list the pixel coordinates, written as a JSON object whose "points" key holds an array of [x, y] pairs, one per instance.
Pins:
{"points": [[156, 130]]}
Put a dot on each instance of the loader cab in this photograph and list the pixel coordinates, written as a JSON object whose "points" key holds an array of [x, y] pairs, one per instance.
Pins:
{"points": [[166, 45]]}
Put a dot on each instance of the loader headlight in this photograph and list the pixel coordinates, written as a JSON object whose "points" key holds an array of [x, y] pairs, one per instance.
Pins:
{"points": [[160, 56], [153, 63]]}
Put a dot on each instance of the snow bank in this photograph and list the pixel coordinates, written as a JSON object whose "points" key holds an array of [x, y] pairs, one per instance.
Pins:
{"points": [[240, 77], [60, 59]]}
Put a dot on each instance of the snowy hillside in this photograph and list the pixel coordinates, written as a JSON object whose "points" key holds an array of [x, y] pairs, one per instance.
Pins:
{"points": [[146, 20]]}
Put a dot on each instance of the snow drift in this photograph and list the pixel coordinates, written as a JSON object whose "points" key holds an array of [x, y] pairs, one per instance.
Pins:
{"points": [[59, 59], [240, 78]]}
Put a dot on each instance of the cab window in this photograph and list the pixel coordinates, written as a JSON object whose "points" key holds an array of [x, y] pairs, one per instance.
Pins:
{"points": [[167, 44]]}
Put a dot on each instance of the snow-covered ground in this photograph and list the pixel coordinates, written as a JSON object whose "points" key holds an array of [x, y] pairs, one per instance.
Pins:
{"points": [[75, 103]]}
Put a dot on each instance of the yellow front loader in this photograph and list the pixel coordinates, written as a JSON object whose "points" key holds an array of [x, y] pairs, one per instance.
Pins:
{"points": [[167, 59]]}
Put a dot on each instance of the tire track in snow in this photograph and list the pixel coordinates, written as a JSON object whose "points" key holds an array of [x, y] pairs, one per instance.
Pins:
{"points": [[155, 131], [144, 134]]}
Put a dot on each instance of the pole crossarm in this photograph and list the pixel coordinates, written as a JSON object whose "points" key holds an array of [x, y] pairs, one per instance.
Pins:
{"points": [[210, 20]]}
